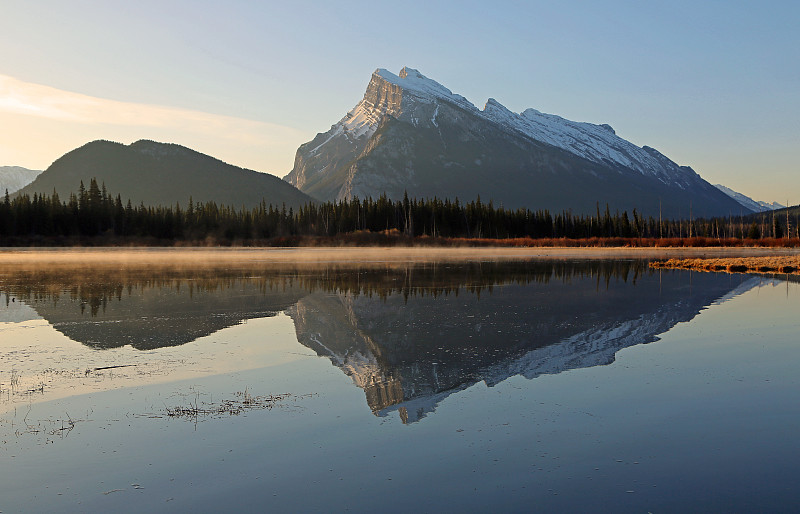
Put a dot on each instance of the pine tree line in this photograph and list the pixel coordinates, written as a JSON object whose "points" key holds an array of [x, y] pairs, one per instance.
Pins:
{"points": [[94, 212]]}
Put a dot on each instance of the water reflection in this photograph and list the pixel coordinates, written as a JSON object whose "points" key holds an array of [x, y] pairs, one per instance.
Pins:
{"points": [[409, 354], [151, 312], [408, 335]]}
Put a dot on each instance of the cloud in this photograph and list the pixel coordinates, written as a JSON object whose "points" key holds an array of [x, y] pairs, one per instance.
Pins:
{"points": [[18, 97], [64, 116]]}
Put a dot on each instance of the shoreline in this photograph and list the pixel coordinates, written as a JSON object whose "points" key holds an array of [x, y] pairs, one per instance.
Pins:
{"points": [[363, 255]]}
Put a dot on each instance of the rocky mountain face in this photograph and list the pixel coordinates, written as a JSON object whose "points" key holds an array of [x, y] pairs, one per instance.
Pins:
{"points": [[411, 134], [749, 203], [162, 174], [14, 178]]}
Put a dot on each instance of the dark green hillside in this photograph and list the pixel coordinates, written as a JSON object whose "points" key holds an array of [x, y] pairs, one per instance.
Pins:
{"points": [[163, 174]]}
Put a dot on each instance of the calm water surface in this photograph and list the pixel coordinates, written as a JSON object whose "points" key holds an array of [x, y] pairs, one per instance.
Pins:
{"points": [[540, 385]]}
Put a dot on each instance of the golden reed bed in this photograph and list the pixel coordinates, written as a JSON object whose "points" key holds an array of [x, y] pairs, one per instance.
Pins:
{"points": [[766, 264]]}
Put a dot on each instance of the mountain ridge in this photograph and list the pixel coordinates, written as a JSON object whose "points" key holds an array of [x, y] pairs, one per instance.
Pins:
{"points": [[14, 178], [749, 203], [411, 134]]}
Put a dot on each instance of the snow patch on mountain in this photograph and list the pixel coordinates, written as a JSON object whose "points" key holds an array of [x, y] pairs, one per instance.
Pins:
{"points": [[746, 201], [386, 94], [416, 84], [596, 143], [14, 178], [362, 120], [376, 148], [401, 94]]}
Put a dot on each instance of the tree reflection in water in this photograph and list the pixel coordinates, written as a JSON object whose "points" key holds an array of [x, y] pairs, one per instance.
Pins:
{"points": [[408, 334]]}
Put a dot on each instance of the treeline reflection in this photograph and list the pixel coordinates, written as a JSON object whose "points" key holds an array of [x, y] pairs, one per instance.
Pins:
{"points": [[409, 335], [93, 290]]}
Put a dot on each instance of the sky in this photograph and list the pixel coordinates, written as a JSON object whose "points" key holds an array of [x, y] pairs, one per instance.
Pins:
{"points": [[712, 85]]}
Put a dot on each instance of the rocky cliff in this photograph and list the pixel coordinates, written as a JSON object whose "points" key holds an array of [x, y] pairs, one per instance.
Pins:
{"points": [[411, 134]]}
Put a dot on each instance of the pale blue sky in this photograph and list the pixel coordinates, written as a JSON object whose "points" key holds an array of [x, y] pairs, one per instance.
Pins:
{"points": [[713, 85]]}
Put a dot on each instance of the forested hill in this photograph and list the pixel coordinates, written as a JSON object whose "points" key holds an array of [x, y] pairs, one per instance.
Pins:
{"points": [[163, 174]]}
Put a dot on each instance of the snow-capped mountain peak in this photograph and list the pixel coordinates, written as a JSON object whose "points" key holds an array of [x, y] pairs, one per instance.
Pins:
{"points": [[597, 143], [401, 95], [433, 142], [397, 95], [418, 85]]}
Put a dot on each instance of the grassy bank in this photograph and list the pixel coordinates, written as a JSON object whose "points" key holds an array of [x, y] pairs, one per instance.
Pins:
{"points": [[764, 264]]}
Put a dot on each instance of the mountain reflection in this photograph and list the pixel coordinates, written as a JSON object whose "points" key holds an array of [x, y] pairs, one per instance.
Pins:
{"points": [[150, 309], [408, 335], [410, 353]]}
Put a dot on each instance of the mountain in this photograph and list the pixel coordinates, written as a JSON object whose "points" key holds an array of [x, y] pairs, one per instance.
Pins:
{"points": [[162, 174], [14, 178], [410, 133], [748, 202]]}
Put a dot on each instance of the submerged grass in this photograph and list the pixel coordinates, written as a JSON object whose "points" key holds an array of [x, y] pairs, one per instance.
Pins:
{"points": [[241, 402], [193, 410]]}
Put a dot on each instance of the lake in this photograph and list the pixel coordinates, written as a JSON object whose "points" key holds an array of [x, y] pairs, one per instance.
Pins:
{"points": [[535, 384]]}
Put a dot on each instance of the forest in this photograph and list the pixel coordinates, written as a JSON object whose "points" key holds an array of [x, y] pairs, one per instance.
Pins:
{"points": [[92, 216]]}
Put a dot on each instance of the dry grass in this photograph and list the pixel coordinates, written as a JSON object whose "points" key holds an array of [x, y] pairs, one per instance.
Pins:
{"points": [[243, 401], [765, 264]]}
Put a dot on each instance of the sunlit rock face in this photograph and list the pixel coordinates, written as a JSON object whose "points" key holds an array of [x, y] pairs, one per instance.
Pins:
{"points": [[411, 134]]}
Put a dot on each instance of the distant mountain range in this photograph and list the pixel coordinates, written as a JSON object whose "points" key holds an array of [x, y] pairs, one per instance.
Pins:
{"points": [[14, 178], [411, 134], [162, 174], [748, 202]]}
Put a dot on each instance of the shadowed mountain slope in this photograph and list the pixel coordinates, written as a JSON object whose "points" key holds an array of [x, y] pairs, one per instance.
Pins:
{"points": [[162, 174]]}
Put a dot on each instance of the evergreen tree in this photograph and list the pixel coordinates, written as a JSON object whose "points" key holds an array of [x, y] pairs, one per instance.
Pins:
{"points": [[754, 232], [777, 228]]}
